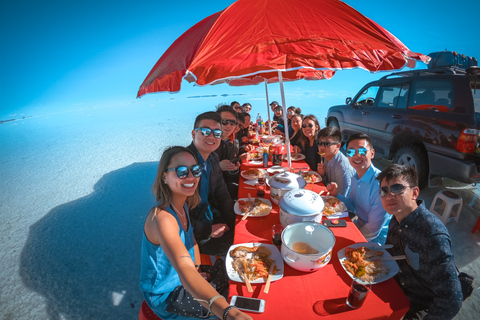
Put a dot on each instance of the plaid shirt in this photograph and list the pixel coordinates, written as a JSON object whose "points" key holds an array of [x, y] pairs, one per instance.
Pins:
{"points": [[429, 278]]}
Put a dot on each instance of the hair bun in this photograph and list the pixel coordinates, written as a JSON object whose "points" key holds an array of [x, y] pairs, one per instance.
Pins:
{"points": [[298, 111]]}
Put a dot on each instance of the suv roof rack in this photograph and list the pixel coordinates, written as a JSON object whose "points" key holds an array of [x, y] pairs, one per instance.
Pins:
{"points": [[426, 72]]}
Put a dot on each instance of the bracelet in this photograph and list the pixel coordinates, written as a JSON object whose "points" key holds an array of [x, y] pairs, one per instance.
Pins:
{"points": [[226, 311], [210, 301]]}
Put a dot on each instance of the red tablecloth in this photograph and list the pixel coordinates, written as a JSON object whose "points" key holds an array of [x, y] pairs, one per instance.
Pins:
{"points": [[300, 295]]}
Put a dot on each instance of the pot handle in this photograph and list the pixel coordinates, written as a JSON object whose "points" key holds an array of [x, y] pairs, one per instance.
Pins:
{"points": [[290, 259]]}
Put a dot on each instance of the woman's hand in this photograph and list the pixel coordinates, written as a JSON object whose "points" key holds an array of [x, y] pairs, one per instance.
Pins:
{"points": [[296, 149]]}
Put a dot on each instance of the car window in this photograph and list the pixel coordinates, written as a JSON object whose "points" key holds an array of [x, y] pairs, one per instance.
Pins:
{"points": [[475, 86], [432, 94], [393, 96], [367, 97]]}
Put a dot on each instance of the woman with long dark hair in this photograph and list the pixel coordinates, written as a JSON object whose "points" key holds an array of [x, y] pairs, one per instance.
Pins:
{"points": [[170, 276], [307, 143]]}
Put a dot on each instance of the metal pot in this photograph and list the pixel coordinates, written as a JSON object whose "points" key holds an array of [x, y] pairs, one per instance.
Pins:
{"points": [[301, 205], [316, 236], [281, 183]]}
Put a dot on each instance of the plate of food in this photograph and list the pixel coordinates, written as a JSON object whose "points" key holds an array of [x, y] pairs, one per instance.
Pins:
{"points": [[366, 262], [295, 157], [255, 156], [311, 177], [261, 207], [252, 174], [276, 170], [253, 260], [334, 208]]}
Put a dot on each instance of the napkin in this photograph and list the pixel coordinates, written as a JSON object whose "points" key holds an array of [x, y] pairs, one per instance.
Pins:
{"points": [[338, 215], [251, 182]]}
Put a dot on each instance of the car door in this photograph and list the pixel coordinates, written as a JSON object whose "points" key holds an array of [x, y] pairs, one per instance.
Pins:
{"points": [[357, 118], [388, 115]]}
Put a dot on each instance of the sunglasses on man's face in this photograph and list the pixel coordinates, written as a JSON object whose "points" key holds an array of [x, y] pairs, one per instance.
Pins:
{"points": [[224, 122], [395, 189], [182, 171], [327, 144], [361, 151], [310, 125], [217, 133]]}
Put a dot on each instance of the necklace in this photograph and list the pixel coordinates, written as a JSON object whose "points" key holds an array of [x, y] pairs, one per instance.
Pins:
{"points": [[181, 216]]}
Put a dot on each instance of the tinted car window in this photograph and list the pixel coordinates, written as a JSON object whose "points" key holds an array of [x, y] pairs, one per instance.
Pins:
{"points": [[394, 96], [476, 95], [432, 94], [367, 97]]}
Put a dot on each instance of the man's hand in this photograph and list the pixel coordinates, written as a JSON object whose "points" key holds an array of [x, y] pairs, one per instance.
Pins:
{"points": [[245, 157], [227, 165], [333, 189], [321, 169], [218, 230], [244, 139]]}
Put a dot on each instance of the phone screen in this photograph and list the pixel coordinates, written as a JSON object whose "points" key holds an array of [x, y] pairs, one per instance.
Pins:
{"points": [[251, 304]]}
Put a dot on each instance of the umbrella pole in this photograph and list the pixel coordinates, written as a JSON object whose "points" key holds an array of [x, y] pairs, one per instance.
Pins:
{"points": [[285, 119], [268, 109]]}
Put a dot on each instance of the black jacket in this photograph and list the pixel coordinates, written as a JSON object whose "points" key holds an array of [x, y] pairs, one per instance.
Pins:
{"points": [[219, 200]]}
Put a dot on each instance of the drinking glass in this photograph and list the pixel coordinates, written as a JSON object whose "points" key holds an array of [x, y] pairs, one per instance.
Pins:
{"points": [[358, 293]]}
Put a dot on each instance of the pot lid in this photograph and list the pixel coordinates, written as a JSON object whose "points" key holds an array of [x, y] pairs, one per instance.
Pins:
{"points": [[302, 202], [287, 181]]}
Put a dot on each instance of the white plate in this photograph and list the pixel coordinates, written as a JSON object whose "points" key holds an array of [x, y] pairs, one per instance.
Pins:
{"points": [[341, 209], [255, 162], [299, 157], [390, 264], [233, 275], [277, 169], [251, 176], [319, 177], [237, 210]]}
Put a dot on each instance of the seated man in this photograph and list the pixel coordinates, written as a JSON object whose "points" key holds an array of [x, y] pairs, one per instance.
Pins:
{"points": [[213, 220], [428, 276], [363, 198], [226, 153], [337, 167]]}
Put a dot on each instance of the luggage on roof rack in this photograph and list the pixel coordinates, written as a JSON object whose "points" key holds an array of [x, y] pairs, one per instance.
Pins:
{"points": [[450, 58]]}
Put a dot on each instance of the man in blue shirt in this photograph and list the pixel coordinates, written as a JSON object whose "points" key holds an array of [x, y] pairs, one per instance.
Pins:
{"points": [[363, 198], [428, 276], [213, 219]]}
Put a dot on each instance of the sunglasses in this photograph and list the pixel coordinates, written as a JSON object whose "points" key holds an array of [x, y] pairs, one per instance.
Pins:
{"points": [[227, 121], [310, 125], [182, 171], [327, 144], [237, 108], [217, 133], [395, 189], [290, 112], [361, 151]]}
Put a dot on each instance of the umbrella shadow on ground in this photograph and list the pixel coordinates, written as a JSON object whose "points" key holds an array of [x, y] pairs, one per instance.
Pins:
{"points": [[83, 257]]}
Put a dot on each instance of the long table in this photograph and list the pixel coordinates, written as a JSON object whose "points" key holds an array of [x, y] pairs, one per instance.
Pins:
{"points": [[320, 294]]}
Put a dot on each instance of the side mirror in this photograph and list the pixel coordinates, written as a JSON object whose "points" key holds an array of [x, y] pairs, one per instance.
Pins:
{"points": [[348, 100]]}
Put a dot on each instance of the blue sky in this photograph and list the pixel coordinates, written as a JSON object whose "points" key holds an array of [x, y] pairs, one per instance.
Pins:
{"points": [[58, 55]]}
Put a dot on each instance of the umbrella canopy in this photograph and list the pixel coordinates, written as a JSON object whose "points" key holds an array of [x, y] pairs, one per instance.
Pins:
{"points": [[252, 40]]}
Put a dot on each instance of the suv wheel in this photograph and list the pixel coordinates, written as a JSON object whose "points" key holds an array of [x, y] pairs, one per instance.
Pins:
{"points": [[334, 123], [414, 156]]}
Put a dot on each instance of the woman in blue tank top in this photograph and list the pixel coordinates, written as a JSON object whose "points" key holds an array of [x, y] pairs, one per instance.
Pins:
{"points": [[169, 250]]}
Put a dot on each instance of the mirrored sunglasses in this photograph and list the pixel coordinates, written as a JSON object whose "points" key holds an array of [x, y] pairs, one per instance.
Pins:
{"points": [[182, 171], [310, 125], [395, 189], [327, 143], [224, 122], [217, 133], [361, 151]]}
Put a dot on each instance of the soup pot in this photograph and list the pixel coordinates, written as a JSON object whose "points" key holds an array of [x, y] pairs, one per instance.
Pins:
{"points": [[268, 139], [281, 183], [300, 205], [311, 235]]}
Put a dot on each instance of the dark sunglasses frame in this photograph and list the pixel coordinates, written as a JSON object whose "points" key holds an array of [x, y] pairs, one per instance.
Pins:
{"points": [[396, 189], [310, 125], [361, 151], [327, 143], [217, 133], [224, 122], [182, 171]]}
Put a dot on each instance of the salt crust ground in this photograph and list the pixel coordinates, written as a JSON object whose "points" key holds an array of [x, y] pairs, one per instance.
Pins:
{"points": [[76, 187]]}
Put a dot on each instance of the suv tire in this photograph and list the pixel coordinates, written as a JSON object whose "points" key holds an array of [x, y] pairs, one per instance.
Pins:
{"points": [[334, 123], [416, 157]]}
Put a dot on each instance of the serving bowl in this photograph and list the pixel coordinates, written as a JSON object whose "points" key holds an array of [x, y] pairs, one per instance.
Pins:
{"points": [[281, 183], [309, 237], [300, 205]]}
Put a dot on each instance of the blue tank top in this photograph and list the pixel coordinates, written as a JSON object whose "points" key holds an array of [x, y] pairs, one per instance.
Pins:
{"points": [[158, 277]]}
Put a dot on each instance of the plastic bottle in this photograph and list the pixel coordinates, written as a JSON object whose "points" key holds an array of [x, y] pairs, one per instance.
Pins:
{"points": [[259, 120]]}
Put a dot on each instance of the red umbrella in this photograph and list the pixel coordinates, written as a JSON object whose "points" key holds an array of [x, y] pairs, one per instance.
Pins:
{"points": [[301, 38], [254, 40]]}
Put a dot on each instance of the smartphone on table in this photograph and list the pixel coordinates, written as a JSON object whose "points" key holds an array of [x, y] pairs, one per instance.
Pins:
{"points": [[248, 304], [335, 223]]}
